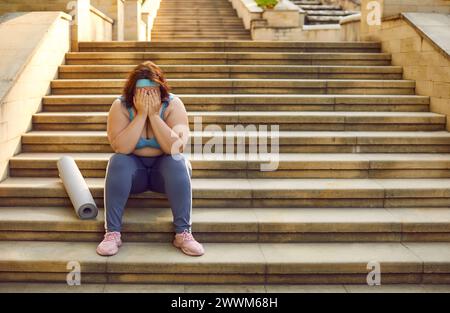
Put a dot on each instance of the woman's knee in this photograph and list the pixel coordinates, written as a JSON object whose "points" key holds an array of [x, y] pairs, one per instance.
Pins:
{"points": [[120, 162], [172, 164], [176, 169]]}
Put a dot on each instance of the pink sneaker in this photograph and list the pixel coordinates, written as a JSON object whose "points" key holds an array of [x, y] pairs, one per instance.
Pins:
{"points": [[186, 242], [110, 244]]}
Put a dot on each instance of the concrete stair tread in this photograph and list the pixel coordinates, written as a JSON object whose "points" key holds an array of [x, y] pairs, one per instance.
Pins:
{"points": [[237, 68], [387, 82], [380, 86], [319, 7], [224, 288], [244, 258], [283, 157], [269, 102], [328, 12], [254, 188], [237, 220], [284, 118], [192, 12], [253, 96], [222, 54], [263, 114], [221, 44], [291, 134], [290, 165], [100, 80]]}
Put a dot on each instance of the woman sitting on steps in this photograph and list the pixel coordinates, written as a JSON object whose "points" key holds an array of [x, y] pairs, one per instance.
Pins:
{"points": [[148, 129]]}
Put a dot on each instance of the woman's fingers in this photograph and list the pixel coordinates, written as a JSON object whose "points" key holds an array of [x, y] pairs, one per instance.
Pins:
{"points": [[141, 95]]}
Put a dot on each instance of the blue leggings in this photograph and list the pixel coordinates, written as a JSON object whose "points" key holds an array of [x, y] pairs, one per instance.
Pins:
{"points": [[130, 173]]}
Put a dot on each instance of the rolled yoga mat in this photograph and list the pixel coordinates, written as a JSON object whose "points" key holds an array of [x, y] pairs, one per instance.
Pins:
{"points": [[76, 188]]}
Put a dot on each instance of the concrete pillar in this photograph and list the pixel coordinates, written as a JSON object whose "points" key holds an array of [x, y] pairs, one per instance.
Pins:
{"points": [[81, 27], [120, 21], [132, 19]]}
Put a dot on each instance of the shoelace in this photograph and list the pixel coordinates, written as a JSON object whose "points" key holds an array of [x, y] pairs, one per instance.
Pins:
{"points": [[110, 236], [187, 236]]}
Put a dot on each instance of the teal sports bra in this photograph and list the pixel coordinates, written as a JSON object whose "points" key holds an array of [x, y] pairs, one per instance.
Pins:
{"points": [[149, 142]]}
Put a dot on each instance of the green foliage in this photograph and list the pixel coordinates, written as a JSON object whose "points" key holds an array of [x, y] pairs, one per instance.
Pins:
{"points": [[266, 3]]}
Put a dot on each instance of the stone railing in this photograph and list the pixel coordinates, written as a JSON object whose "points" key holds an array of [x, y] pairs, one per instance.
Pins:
{"points": [[284, 22], [393, 8], [32, 46], [100, 25], [350, 26], [90, 22], [248, 11]]}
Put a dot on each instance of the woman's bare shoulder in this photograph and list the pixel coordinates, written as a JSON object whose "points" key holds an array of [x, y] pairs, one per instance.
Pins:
{"points": [[176, 103], [117, 106]]}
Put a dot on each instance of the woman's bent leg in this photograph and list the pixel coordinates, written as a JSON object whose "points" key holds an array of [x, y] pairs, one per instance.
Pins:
{"points": [[172, 176], [125, 174]]}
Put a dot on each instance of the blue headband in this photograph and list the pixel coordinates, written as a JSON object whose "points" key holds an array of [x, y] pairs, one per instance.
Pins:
{"points": [[145, 82]]}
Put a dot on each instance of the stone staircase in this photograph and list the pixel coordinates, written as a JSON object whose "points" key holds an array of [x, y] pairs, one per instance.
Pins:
{"points": [[198, 20], [363, 172], [319, 13]]}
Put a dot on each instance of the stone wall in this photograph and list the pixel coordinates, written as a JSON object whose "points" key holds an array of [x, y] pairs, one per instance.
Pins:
{"points": [[422, 60]]}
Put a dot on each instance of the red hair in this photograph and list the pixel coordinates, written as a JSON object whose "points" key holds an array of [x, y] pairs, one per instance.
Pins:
{"points": [[148, 70]]}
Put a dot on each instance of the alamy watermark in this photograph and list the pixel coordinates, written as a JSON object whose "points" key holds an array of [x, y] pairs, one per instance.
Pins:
{"points": [[231, 142], [373, 16], [374, 276], [73, 278]]}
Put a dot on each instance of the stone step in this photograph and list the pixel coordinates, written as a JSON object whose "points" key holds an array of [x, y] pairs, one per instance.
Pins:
{"points": [[320, 7], [214, 11], [328, 13], [213, 28], [266, 58], [290, 165], [249, 102], [164, 30], [306, 2], [314, 120], [165, 9], [323, 19], [268, 263], [194, 4], [228, 46], [239, 193], [195, 15], [237, 71], [199, 31], [238, 225], [289, 142], [176, 19], [222, 288], [189, 19], [244, 86], [202, 37]]}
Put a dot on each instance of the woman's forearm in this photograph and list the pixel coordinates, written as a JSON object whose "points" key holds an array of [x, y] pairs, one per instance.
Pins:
{"points": [[166, 136], [125, 142]]}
